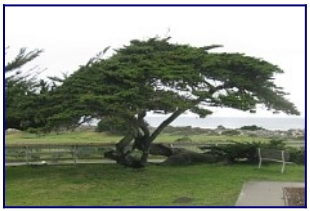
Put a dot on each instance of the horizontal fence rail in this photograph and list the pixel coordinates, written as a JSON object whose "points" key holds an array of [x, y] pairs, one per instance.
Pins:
{"points": [[54, 153], [83, 153]]}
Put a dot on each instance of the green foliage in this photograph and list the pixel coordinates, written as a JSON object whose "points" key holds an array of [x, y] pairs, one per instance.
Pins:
{"points": [[23, 94], [275, 144], [251, 127], [239, 151], [156, 75], [147, 75], [21, 59], [115, 126], [231, 133], [297, 155], [234, 152]]}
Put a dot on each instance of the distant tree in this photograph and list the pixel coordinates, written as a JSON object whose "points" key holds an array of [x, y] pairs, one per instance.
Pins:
{"points": [[159, 76]]}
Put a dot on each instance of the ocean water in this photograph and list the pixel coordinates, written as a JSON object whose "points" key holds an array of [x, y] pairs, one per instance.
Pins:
{"points": [[272, 123]]}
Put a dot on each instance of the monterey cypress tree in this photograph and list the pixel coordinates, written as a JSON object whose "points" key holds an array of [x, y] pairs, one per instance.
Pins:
{"points": [[159, 76]]}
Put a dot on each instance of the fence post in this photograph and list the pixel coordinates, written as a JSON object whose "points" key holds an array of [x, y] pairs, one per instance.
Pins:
{"points": [[283, 161], [75, 148], [27, 161]]}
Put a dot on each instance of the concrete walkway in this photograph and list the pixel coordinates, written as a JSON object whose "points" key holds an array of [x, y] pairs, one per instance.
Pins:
{"points": [[263, 193]]}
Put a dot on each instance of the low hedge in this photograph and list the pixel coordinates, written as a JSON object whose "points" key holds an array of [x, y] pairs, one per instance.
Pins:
{"points": [[236, 152]]}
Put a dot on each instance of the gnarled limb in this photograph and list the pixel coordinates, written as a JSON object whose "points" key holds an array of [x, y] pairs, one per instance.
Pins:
{"points": [[160, 128], [141, 138], [124, 142], [122, 155]]}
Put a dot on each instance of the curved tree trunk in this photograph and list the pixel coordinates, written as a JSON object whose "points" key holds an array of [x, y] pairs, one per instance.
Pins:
{"points": [[140, 134], [159, 129], [122, 154]]}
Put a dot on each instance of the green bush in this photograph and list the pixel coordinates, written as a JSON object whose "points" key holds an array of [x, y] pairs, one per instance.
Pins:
{"points": [[243, 151], [275, 144], [232, 152], [231, 132], [251, 127], [296, 155]]}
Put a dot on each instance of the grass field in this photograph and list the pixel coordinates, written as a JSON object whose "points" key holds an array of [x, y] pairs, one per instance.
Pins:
{"points": [[93, 137], [103, 185]]}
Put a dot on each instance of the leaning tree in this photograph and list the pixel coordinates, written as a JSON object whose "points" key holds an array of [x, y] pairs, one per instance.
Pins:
{"points": [[158, 76]]}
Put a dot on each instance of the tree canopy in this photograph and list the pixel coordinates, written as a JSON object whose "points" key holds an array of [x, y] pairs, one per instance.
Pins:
{"points": [[155, 75], [163, 77]]}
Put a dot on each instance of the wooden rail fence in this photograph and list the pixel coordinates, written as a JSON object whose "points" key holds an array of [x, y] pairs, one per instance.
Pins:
{"points": [[74, 153]]}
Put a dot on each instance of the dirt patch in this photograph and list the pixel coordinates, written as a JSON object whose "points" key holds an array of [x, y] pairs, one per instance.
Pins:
{"points": [[183, 200], [294, 196]]}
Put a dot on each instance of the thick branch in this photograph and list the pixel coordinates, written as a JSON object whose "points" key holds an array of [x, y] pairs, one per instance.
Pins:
{"points": [[175, 115], [142, 124], [122, 144], [165, 123]]}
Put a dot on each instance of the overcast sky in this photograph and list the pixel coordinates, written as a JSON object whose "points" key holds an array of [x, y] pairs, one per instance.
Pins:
{"points": [[72, 35]]}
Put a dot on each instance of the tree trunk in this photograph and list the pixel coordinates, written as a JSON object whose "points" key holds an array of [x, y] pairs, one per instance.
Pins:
{"points": [[150, 139], [179, 156], [175, 157], [122, 155], [143, 141], [121, 146]]}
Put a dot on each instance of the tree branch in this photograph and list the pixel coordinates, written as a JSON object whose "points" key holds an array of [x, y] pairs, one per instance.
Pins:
{"points": [[121, 145], [165, 123]]}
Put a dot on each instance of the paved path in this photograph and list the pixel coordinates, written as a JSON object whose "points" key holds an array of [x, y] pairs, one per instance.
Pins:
{"points": [[258, 193]]}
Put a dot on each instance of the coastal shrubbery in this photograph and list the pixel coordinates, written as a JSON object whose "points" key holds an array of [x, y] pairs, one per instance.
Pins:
{"points": [[231, 132], [297, 155], [251, 127], [247, 151]]}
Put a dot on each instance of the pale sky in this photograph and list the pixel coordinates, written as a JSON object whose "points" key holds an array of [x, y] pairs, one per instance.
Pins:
{"points": [[70, 36]]}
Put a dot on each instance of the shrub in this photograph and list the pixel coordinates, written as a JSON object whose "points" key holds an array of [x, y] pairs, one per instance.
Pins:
{"points": [[245, 151], [275, 144], [231, 132], [251, 127], [296, 155], [232, 152]]}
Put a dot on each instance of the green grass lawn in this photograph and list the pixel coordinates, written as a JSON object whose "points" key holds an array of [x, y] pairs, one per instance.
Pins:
{"points": [[94, 137], [103, 185]]}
